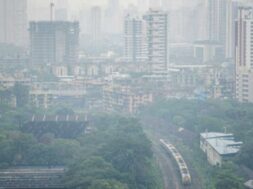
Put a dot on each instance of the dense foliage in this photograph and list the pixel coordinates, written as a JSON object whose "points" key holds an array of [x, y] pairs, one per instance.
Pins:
{"points": [[114, 154], [214, 116], [117, 151]]}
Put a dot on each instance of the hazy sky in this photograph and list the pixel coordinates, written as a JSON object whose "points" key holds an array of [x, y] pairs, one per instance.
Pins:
{"points": [[77, 4]]}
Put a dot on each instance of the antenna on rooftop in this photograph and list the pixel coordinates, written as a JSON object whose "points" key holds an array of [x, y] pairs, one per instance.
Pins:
{"points": [[51, 10]]}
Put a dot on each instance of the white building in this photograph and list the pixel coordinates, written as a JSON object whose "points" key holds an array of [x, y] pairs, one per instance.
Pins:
{"points": [[125, 99], [219, 147], [217, 20], [244, 55], [13, 22], [96, 23], [134, 47], [157, 25], [231, 15]]}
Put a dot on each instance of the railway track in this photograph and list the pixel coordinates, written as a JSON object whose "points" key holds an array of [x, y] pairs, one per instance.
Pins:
{"points": [[167, 165], [183, 168]]}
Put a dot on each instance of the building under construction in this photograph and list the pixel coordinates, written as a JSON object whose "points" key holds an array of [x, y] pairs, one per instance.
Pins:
{"points": [[54, 42]]}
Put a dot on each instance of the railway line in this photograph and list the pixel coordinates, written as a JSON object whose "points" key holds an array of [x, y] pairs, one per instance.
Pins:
{"points": [[169, 169], [183, 168]]}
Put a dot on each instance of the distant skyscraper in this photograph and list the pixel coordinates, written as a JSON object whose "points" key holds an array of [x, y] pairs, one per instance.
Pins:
{"points": [[202, 21], [54, 42], [244, 55], [134, 39], [231, 15], [13, 22], [84, 16], [95, 23], [157, 40], [217, 20], [113, 19]]}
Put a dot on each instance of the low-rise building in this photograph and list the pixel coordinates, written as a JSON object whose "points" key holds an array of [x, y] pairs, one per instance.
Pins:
{"points": [[118, 98], [219, 147], [249, 184], [45, 95]]}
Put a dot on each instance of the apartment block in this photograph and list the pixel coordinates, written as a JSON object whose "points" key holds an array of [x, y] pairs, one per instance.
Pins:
{"points": [[125, 99]]}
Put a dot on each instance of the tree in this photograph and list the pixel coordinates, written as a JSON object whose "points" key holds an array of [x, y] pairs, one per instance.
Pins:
{"points": [[107, 184], [85, 172], [246, 155], [228, 180]]}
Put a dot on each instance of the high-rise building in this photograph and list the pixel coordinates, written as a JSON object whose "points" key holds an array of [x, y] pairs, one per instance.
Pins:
{"points": [[157, 40], [54, 42], [13, 22], [95, 23], [134, 36], [231, 15], [244, 55], [217, 20], [113, 18]]}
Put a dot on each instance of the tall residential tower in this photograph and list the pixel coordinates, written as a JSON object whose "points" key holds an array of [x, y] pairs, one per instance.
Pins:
{"points": [[157, 37], [244, 55], [134, 36]]}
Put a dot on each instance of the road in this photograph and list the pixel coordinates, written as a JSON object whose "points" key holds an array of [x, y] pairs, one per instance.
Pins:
{"points": [[171, 176]]}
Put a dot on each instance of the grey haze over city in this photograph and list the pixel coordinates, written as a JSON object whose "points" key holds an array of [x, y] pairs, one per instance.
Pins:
{"points": [[126, 94]]}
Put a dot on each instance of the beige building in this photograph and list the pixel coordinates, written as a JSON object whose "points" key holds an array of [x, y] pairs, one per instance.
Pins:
{"points": [[244, 55], [219, 147], [125, 99]]}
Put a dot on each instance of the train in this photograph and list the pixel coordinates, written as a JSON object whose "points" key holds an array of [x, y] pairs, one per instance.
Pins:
{"points": [[183, 169]]}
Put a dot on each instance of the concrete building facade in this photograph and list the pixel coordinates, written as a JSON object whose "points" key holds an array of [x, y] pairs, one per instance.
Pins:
{"points": [[54, 42], [217, 20], [124, 99], [157, 26], [134, 47], [244, 55], [96, 23], [231, 15], [219, 147]]}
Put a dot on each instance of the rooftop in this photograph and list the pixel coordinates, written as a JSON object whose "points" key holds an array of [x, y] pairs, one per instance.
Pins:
{"points": [[60, 118], [211, 135], [249, 184], [222, 143], [225, 146]]}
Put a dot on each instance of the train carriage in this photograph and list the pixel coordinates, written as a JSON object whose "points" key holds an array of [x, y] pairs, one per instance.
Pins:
{"points": [[183, 169]]}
